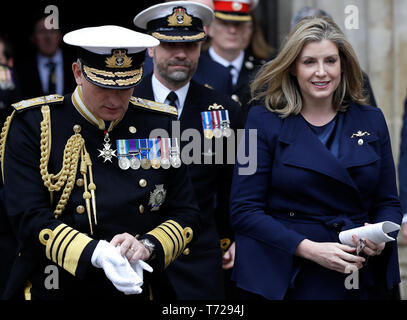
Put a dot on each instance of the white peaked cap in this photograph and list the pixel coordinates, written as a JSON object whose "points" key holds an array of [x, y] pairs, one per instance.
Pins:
{"points": [[101, 40]]}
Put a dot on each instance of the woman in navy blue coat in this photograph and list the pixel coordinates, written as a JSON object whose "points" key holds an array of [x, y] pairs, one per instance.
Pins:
{"points": [[323, 164]]}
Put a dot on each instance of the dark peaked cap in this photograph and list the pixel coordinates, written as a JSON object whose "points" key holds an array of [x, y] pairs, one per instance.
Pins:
{"points": [[176, 21]]}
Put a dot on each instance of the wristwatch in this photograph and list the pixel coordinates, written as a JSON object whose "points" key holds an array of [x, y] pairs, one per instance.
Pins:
{"points": [[150, 246]]}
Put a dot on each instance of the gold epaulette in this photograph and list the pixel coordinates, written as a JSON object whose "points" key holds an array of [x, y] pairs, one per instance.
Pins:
{"points": [[154, 106], [36, 102]]}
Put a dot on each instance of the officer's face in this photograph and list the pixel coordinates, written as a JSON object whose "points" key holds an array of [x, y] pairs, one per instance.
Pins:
{"points": [[175, 63], [318, 71], [107, 104], [229, 35]]}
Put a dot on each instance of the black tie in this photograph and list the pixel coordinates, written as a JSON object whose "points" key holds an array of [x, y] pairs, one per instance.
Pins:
{"points": [[172, 98], [52, 78]]}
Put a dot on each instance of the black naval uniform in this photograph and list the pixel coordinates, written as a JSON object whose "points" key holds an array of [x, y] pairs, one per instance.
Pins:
{"points": [[123, 202], [198, 274]]}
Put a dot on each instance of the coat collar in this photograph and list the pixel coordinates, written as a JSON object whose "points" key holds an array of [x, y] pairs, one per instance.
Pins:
{"points": [[305, 149]]}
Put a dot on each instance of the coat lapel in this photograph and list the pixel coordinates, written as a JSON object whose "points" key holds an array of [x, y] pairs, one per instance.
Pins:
{"points": [[355, 148], [306, 151]]}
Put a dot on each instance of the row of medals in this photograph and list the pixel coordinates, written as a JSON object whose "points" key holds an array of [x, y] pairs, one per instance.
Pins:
{"points": [[134, 163], [217, 132]]}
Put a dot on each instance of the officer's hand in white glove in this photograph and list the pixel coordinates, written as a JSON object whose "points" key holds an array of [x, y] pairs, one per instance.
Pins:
{"points": [[117, 268]]}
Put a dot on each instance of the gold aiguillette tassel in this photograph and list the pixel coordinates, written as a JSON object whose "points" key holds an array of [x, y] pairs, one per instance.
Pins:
{"points": [[92, 186], [86, 194]]}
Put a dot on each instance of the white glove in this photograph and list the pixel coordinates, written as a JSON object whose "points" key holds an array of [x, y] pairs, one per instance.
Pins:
{"points": [[139, 266], [117, 268]]}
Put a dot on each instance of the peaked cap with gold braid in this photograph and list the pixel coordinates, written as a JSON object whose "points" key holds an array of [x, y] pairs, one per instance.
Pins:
{"points": [[175, 21]]}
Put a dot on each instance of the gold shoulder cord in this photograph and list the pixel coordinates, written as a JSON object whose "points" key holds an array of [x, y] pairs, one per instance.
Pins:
{"points": [[3, 138], [74, 149]]}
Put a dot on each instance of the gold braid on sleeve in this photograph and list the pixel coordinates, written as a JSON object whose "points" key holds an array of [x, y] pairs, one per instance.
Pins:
{"points": [[74, 151]]}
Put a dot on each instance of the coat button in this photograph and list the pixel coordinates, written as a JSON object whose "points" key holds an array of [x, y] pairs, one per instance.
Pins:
{"points": [[360, 142], [186, 252], [292, 214], [132, 129], [80, 209], [142, 183], [141, 208]]}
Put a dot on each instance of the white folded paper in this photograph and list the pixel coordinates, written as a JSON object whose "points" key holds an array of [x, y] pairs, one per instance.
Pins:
{"points": [[374, 232]]}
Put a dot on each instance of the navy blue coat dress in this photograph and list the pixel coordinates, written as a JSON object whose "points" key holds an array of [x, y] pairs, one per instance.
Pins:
{"points": [[300, 190]]}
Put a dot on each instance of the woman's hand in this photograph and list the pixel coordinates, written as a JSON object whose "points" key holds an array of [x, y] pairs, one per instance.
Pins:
{"points": [[330, 255], [130, 247], [370, 248], [228, 258]]}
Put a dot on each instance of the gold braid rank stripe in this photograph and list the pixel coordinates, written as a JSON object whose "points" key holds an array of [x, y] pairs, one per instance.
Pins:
{"points": [[64, 246], [3, 139], [173, 239], [232, 17], [160, 36]]}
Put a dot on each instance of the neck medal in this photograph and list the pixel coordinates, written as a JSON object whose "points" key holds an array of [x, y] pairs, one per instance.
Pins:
{"points": [[106, 152]]}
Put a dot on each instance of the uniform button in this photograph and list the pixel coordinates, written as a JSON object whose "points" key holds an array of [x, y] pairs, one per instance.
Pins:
{"points": [[80, 182], [186, 252], [360, 142], [77, 128], [292, 214], [235, 97], [141, 208], [80, 209], [132, 129], [142, 183]]}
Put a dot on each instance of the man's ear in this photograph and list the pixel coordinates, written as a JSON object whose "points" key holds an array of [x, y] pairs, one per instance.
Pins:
{"points": [[150, 52], [77, 73]]}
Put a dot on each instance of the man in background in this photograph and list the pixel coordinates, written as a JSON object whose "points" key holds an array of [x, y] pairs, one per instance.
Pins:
{"points": [[48, 69]]}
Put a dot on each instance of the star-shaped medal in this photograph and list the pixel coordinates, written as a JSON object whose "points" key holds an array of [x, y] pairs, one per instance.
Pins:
{"points": [[107, 153]]}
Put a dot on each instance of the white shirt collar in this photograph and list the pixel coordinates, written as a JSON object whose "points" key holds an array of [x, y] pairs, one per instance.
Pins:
{"points": [[237, 63], [161, 92]]}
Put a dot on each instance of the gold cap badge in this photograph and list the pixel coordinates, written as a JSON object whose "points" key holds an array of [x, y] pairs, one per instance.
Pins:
{"points": [[119, 59], [180, 18]]}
